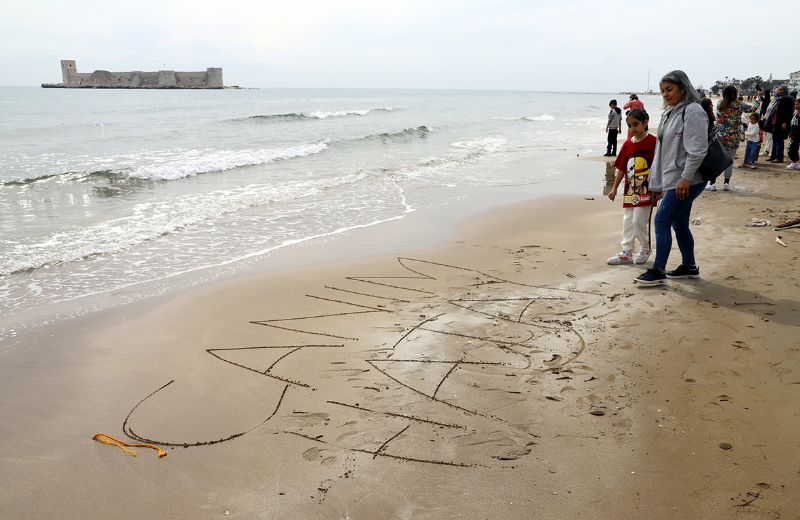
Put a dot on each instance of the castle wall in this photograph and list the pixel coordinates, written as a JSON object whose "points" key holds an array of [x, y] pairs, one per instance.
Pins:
{"points": [[211, 78], [166, 79], [191, 79], [147, 79]]}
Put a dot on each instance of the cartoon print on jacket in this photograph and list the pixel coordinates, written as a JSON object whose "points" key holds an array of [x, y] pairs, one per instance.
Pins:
{"points": [[637, 173]]}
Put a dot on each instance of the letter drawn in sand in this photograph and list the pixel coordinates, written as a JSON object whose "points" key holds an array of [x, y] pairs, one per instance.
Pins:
{"points": [[435, 352]]}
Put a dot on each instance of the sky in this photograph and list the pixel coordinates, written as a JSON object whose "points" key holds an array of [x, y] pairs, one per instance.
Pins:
{"points": [[544, 45]]}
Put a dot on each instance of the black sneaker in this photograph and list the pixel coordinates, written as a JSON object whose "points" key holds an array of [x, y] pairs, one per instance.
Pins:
{"points": [[684, 271], [651, 277]]}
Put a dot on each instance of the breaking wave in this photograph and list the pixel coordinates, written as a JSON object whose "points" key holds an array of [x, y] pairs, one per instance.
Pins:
{"points": [[187, 163], [222, 160], [539, 119], [150, 221], [300, 116], [464, 152], [62, 177], [419, 131]]}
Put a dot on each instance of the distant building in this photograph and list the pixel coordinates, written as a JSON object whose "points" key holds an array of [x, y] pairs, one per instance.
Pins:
{"points": [[211, 78], [794, 80]]}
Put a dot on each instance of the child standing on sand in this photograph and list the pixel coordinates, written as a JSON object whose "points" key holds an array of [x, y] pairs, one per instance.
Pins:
{"points": [[613, 127], [633, 165], [753, 134]]}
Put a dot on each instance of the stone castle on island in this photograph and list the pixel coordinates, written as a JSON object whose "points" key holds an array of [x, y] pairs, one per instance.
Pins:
{"points": [[211, 78]]}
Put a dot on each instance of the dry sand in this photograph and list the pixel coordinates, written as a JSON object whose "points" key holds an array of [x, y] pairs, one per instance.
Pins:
{"points": [[507, 373]]}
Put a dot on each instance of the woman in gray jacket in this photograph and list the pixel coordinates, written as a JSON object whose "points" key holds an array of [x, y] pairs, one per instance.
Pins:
{"points": [[682, 144]]}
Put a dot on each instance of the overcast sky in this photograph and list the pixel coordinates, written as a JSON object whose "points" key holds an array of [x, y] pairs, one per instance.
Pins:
{"points": [[572, 45]]}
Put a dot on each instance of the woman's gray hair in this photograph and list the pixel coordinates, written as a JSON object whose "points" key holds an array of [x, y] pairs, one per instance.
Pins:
{"points": [[678, 77]]}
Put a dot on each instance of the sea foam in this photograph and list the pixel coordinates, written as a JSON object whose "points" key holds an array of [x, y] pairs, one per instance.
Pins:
{"points": [[151, 221], [177, 164], [197, 162]]}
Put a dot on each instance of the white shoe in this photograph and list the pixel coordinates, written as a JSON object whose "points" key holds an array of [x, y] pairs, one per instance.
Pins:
{"points": [[642, 257], [711, 187], [622, 258], [797, 166], [725, 187], [792, 166]]}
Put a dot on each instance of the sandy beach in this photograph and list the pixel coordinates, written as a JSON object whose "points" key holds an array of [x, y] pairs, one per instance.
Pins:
{"points": [[503, 372]]}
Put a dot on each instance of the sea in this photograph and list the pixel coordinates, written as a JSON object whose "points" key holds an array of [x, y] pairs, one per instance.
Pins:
{"points": [[112, 196]]}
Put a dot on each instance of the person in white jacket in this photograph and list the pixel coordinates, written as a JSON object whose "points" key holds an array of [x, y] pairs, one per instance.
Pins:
{"points": [[682, 145], [753, 136]]}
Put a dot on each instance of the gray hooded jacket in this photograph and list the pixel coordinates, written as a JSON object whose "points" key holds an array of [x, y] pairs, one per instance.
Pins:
{"points": [[682, 144]]}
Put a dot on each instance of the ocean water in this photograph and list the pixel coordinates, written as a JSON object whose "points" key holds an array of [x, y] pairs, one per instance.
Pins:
{"points": [[117, 192]]}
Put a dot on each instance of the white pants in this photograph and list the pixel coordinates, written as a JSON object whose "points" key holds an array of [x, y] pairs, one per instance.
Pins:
{"points": [[636, 227], [767, 143]]}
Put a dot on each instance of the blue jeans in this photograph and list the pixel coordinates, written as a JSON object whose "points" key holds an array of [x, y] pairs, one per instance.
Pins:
{"points": [[751, 152], [674, 214]]}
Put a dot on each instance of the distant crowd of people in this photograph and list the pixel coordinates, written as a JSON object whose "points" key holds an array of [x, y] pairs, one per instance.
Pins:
{"points": [[770, 122], [662, 171]]}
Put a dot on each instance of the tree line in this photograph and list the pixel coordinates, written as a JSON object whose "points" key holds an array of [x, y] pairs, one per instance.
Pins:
{"points": [[747, 87]]}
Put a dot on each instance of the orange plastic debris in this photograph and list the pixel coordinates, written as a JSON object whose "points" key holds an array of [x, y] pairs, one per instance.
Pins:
{"points": [[124, 446]]}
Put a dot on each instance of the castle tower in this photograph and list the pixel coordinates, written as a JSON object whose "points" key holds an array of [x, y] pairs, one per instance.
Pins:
{"points": [[214, 75], [69, 73]]}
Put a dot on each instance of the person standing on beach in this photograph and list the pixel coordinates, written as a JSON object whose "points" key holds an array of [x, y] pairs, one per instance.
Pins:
{"points": [[681, 146], [780, 119], [767, 126], [634, 103], [794, 135], [767, 105], [613, 127], [729, 123], [708, 106], [753, 134], [765, 99], [633, 165]]}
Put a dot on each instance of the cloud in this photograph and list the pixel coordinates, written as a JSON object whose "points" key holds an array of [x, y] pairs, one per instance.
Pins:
{"points": [[504, 44]]}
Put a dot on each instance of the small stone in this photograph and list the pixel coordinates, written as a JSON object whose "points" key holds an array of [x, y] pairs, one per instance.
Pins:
{"points": [[725, 445], [597, 412]]}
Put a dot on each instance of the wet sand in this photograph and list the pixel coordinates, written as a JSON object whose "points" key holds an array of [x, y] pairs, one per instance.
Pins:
{"points": [[507, 372]]}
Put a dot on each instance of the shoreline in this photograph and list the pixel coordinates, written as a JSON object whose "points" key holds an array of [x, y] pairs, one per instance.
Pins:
{"points": [[420, 228], [504, 362]]}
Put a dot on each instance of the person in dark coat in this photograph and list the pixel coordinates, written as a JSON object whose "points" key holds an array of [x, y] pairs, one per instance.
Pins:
{"points": [[780, 118], [765, 99]]}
